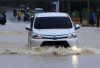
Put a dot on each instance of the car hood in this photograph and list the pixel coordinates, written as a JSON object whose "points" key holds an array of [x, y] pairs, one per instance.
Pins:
{"points": [[53, 31]]}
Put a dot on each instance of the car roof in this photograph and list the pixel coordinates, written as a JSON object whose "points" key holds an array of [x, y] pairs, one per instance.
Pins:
{"points": [[38, 9], [52, 14]]}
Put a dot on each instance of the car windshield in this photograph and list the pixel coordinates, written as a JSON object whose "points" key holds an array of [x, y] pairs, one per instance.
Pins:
{"points": [[53, 23], [38, 11], [22, 6]]}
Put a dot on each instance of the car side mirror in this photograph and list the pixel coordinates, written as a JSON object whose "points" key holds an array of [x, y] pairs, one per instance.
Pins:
{"points": [[77, 26], [28, 27]]}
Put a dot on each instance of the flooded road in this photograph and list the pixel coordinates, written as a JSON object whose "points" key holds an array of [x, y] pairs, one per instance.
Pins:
{"points": [[26, 61], [14, 54]]}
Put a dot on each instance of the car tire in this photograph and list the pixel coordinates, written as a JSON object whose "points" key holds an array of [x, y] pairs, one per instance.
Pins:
{"points": [[2, 23]]}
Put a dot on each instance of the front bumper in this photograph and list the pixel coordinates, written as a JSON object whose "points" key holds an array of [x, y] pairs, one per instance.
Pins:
{"points": [[38, 42]]}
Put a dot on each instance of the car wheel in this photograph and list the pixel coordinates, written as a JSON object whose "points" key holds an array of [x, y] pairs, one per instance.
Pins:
{"points": [[2, 23]]}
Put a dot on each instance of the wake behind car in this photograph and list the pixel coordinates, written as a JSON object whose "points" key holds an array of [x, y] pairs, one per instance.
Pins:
{"points": [[2, 19], [52, 29]]}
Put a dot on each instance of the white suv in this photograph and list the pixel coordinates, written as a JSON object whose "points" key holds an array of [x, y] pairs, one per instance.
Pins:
{"points": [[52, 29]]}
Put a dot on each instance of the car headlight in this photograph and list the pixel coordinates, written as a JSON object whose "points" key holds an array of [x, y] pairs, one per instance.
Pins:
{"points": [[36, 36], [72, 35], [40, 36], [69, 35], [31, 16], [75, 48]]}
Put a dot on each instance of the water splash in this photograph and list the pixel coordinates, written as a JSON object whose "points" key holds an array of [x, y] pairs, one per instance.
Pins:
{"points": [[47, 51]]}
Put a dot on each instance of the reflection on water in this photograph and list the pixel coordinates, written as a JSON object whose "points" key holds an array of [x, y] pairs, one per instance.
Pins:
{"points": [[75, 61]]}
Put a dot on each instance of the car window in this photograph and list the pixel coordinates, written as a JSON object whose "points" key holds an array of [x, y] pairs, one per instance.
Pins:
{"points": [[53, 23]]}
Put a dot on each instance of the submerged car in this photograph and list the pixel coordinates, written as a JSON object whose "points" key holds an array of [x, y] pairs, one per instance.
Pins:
{"points": [[2, 19], [52, 29]]}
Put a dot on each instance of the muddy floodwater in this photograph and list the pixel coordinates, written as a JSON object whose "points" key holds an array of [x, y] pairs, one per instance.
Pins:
{"points": [[15, 54]]}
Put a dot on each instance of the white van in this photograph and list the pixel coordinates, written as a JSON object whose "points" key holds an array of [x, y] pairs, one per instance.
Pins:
{"points": [[52, 29]]}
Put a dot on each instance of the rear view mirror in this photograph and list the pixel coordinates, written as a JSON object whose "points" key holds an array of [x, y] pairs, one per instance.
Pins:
{"points": [[77, 26], [28, 27]]}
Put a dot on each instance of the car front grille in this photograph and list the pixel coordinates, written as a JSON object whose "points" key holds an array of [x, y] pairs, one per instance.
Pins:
{"points": [[55, 37], [56, 43]]}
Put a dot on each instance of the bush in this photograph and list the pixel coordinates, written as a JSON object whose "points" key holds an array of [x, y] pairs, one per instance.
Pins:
{"points": [[85, 13], [76, 13]]}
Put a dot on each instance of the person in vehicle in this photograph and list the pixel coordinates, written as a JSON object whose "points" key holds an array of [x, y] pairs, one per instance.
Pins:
{"points": [[2, 18], [14, 12], [19, 15], [26, 16]]}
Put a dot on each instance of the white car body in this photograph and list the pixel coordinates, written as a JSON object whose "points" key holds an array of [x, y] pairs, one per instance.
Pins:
{"points": [[38, 9], [39, 37]]}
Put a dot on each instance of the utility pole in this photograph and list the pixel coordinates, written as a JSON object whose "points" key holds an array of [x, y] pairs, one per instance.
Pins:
{"points": [[57, 6], [80, 10], [88, 5], [97, 17], [56, 3], [46, 6], [69, 7]]}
